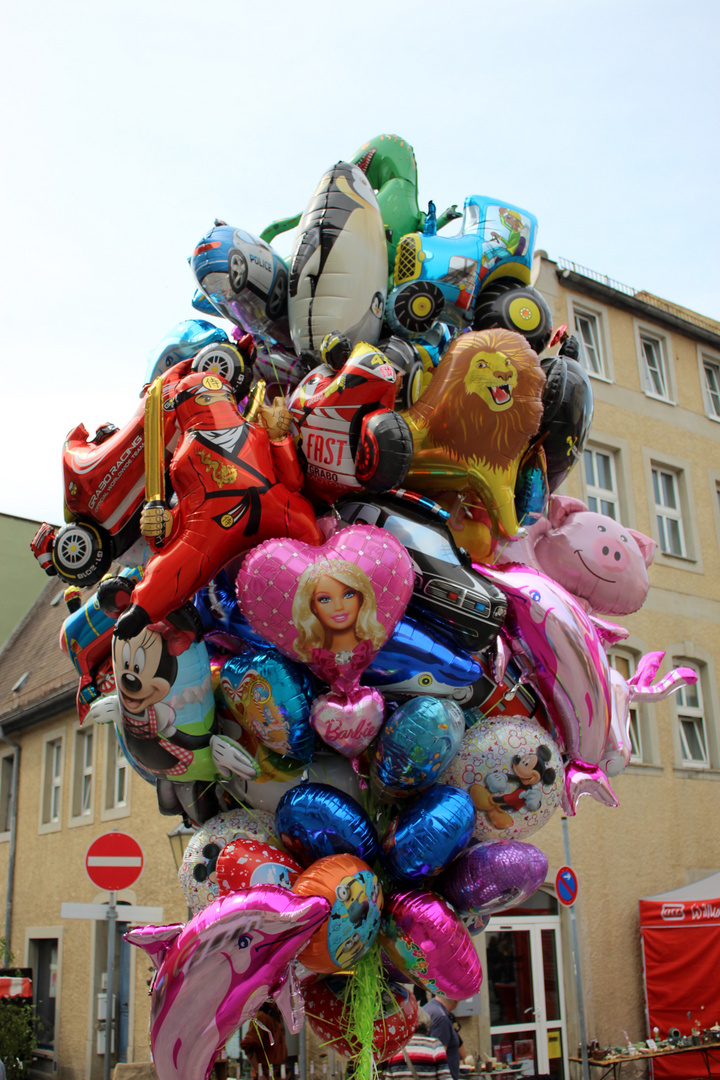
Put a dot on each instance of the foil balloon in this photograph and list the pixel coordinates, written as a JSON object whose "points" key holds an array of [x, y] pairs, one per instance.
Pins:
{"points": [[332, 607], [338, 270], [559, 650], [216, 972], [417, 742], [316, 820], [325, 1012], [244, 863], [493, 876], [244, 280], [197, 875], [595, 558], [271, 697], [428, 834], [473, 424], [182, 343], [224, 625], [356, 898], [235, 487], [424, 937], [421, 659], [165, 702], [513, 772]]}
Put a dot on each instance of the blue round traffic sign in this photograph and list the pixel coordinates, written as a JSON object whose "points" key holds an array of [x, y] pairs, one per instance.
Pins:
{"points": [[566, 885]]}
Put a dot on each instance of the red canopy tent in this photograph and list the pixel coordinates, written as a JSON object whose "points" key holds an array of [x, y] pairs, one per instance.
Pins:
{"points": [[680, 933]]}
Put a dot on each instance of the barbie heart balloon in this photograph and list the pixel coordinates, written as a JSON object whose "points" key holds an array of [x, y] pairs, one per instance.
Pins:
{"points": [[332, 607]]}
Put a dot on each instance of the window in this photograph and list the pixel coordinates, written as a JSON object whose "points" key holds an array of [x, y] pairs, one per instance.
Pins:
{"points": [[654, 367], [691, 721], [52, 785], [588, 330], [712, 387], [116, 780], [6, 777], [624, 663], [666, 491], [601, 484], [83, 773]]}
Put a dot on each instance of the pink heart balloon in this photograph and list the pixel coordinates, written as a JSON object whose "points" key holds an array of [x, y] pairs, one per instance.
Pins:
{"points": [[333, 607], [349, 723]]}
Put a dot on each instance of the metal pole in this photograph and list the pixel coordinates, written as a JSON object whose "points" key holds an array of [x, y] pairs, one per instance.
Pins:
{"points": [[109, 1021], [576, 964]]}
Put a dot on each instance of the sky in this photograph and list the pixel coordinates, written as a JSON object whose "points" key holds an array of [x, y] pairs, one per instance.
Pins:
{"points": [[129, 125]]}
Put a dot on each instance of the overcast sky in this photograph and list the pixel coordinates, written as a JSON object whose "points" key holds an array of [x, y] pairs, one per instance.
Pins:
{"points": [[129, 126]]}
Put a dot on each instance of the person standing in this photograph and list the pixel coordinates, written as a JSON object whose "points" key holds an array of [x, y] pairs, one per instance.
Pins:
{"points": [[423, 1058], [442, 1028]]}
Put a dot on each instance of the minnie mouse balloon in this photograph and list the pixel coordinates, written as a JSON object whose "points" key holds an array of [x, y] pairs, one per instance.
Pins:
{"points": [[512, 771], [331, 607]]}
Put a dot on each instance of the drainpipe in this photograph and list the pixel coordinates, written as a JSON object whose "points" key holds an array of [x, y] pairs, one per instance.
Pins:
{"points": [[13, 833]]}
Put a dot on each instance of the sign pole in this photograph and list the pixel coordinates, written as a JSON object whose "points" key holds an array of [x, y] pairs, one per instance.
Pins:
{"points": [[109, 1014], [576, 964]]}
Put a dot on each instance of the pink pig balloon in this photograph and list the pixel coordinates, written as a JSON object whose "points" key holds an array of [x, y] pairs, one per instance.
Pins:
{"points": [[214, 973], [333, 607], [603, 564]]}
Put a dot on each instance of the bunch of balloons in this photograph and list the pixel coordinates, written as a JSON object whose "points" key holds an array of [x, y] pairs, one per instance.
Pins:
{"points": [[358, 642]]}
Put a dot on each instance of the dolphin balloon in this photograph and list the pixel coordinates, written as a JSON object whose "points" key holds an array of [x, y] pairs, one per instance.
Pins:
{"points": [[559, 649], [215, 973]]}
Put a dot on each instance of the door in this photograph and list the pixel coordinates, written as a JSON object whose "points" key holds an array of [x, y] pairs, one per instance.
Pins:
{"points": [[527, 1008]]}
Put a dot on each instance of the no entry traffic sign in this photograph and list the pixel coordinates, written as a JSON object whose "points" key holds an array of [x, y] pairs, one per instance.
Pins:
{"points": [[566, 885], [114, 861]]}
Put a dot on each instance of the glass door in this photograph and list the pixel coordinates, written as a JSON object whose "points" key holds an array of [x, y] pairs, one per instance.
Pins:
{"points": [[523, 969]]}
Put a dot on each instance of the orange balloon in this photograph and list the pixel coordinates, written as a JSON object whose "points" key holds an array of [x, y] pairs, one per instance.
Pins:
{"points": [[354, 920]]}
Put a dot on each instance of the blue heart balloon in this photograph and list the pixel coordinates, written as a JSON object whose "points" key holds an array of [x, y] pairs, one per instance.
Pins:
{"points": [[315, 820], [271, 697], [427, 835], [416, 744]]}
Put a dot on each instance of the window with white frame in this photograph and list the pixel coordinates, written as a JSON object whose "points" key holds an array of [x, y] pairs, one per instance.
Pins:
{"points": [[668, 511], [116, 779], [587, 327], [624, 663], [52, 785], [83, 773], [654, 366], [691, 721], [6, 777], [601, 482], [712, 387]]}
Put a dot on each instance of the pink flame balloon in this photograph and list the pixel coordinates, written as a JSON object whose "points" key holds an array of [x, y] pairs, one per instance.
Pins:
{"points": [[216, 972]]}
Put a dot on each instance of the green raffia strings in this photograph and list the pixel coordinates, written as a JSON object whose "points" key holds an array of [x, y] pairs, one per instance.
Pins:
{"points": [[363, 1005]]}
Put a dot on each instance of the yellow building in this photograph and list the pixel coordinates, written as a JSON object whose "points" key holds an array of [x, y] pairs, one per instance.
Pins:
{"points": [[653, 462]]}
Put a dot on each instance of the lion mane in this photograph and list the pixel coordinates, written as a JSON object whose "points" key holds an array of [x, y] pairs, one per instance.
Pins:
{"points": [[461, 422]]}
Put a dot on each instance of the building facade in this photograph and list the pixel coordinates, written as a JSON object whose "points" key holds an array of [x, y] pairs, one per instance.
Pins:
{"points": [[653, 462]]}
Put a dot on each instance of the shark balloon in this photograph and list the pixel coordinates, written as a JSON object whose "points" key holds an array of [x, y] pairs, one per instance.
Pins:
{"points": [[214, 973]]}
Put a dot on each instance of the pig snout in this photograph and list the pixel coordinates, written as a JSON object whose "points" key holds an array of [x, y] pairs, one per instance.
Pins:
{"points": [[610, 553]]}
